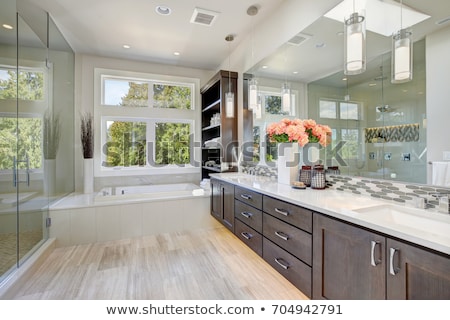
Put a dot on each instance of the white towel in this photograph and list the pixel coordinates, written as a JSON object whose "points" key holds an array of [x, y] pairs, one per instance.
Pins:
{"points": [[440, 173]]}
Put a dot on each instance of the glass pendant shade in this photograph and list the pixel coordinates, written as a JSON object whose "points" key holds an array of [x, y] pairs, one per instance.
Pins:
{"points": [[252, 94], [229, 105], [402, 52], [355, 44], [286, 98], [257, 111]]}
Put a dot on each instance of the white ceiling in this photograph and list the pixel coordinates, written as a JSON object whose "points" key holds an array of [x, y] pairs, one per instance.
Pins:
{"points": [[323, 53], [102, 27]]}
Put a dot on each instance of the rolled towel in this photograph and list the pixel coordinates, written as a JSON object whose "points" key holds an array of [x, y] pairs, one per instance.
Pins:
{"points": [[198, 192]]}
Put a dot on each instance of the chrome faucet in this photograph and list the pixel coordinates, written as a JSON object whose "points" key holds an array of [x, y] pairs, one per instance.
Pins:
{"points": [[444, 203]]}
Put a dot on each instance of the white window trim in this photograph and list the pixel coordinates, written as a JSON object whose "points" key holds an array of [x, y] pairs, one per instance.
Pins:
{"points": [[102, 112]]}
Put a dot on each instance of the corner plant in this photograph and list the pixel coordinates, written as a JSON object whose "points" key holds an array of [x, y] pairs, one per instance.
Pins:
{"points": [[87, 135], [301, 131], [51, 133]]}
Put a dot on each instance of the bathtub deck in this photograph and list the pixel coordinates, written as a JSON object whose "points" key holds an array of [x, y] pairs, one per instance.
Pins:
{"points": [[207, 264]]}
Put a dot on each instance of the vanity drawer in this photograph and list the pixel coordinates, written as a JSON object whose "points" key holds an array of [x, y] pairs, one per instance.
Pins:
{"points": [[295, 215], [290, 238], [293, 269], [248, 214], [248, 196], [249, 236]]}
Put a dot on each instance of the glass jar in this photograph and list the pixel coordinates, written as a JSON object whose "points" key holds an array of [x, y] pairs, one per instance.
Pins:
{"points": [[334, 170], [318, 177], [305, 175]]}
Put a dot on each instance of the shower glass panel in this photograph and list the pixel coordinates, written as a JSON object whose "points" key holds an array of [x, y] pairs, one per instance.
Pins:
{"points": [[8, 142], [34, 80]]}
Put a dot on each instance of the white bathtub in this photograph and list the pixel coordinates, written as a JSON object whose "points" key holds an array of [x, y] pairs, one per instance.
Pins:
{"points": [[154, 209], [156, 191]]}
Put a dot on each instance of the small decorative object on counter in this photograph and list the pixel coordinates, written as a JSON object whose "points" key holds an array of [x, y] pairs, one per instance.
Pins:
{"points": [[333, 170], [305, 175], [318, 177]]}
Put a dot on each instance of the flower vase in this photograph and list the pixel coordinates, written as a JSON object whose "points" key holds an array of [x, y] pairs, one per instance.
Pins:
{"points": [[288, 162], [49, 177], [88, 175]]}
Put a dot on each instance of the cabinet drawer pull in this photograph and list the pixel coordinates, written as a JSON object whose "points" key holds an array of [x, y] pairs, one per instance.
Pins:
{"points": [[246, 196], [374, 262], [246, 235], [281, 211], [280, 261], [248, 215], [282, 235], [392, 270]]}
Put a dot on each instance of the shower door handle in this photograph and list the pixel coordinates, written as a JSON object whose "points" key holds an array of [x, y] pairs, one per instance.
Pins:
{"points": [[15, 176]]}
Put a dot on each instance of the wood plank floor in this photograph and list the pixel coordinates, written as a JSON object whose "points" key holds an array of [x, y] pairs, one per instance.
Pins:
{"points": [[198, 265]]}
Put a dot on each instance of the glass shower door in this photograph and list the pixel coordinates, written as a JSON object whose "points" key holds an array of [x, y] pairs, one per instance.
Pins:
{"points": [[33, 121]]}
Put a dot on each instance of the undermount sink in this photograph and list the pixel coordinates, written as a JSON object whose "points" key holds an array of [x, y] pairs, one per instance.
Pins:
{"points": [[411, 218]]}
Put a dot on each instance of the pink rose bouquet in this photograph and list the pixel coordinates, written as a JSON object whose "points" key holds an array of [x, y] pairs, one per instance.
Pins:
{"points": [[301, 131]]}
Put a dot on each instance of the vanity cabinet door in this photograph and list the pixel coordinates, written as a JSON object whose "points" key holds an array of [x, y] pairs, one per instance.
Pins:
{"points": [[416, 273], [348, 262], [222, 203]]}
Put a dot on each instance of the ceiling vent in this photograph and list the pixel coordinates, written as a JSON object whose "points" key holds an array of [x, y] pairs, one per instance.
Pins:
{"points": [[204, 17], [299, 38]]}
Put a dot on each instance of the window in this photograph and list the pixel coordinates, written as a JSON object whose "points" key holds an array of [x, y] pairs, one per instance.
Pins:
{"points": [[330, 109], [147, 124], [138, 93], [21, 133]]}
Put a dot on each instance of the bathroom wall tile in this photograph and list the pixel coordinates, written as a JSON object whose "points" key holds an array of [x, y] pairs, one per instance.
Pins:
{"points": [[82, 226]]}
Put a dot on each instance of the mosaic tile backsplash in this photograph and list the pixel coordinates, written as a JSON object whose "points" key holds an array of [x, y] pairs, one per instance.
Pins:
{"points": [[397, 192], [401, 133]]}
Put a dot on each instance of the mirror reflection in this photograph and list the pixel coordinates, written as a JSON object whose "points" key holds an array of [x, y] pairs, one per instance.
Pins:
{"points": [[379, 127]]}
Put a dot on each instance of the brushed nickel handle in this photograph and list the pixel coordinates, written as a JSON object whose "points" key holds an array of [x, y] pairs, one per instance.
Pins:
{"points": [[248, 215], [246, 196], [282, 235], [374, 262], [281, 211], [392, 270], [280, 261], [246, 235]]}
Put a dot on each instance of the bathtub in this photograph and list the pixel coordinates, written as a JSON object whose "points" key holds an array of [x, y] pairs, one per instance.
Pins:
{"points": [[117, 213], [154, 191]]}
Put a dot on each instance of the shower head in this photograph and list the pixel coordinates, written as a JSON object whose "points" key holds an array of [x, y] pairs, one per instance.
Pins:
{"points": [[384, 108]]}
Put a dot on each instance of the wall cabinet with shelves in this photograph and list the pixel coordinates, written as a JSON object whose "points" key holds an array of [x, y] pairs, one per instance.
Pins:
{"points": [[219, 132]]}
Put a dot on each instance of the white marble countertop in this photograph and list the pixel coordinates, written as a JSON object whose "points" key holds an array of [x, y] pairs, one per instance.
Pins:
{"points": [[420, 229]]}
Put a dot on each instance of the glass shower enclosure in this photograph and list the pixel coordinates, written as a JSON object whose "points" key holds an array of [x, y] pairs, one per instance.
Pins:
{"points": [[36, 123]]}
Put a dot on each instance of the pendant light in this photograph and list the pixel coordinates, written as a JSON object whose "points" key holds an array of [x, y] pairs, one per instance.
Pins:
{"points": [[229, 96], [401, 61], [285, 89], [253, 83], [355, 43]]}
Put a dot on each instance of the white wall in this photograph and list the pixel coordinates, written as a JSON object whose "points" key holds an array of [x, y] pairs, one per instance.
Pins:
{"points": [[84, 101], [438, 95]]}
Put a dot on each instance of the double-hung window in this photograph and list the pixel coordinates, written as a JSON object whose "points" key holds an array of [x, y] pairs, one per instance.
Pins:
{"points": [[147, 123]]}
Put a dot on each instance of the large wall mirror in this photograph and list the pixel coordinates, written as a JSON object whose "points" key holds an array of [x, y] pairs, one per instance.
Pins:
{"points": [[380, 129]]}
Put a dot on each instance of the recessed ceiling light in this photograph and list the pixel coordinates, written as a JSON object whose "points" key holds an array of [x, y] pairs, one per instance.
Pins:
{"points": [[163, 10], [265, 67], [176, 53], [295, 72], [344, 79], [372, 84], [126, 46], [7, 26]]}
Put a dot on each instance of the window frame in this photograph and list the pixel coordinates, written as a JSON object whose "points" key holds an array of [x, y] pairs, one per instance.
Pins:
{"points": [[150, 115]]}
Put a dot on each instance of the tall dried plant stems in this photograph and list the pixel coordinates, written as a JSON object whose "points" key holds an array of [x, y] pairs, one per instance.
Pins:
{"points": [[87, 136], [51, 134]]}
